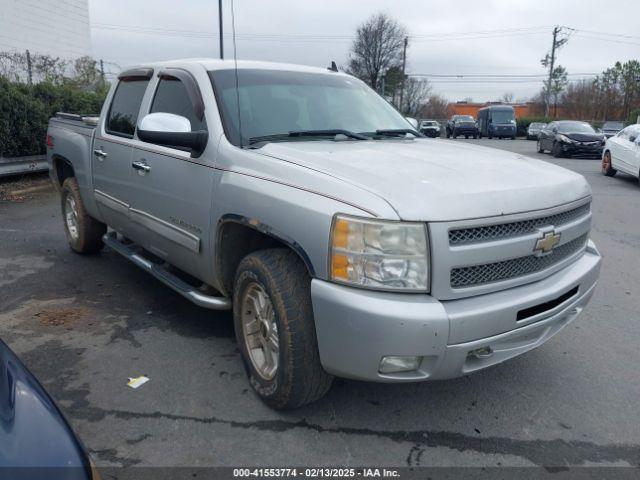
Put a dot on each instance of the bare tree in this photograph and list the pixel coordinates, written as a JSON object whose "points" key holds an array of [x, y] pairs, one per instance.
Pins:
{"points": [[377, 47], [416, 92], [435, 107], [507, 97]]}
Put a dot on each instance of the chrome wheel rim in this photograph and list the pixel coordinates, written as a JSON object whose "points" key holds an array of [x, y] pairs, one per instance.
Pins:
{"points": [[260, 330], [606, 163], [71, 217]]}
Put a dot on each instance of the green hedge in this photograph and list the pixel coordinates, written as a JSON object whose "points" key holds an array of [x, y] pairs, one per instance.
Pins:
{"points": [[523, 123], [25, 111]]}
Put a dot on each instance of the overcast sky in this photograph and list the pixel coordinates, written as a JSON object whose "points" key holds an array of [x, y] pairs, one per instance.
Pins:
{"points": [[460, 37]]}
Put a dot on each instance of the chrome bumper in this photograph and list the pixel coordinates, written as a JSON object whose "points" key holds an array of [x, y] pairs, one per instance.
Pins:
{"points": [[356, 328]]}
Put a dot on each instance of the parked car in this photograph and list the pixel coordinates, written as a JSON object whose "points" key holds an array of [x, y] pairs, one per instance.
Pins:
{"points": [[430, 128], [36, 441], [497, 121], [331, 229], [570, 138], [462, 125], [534, 129], [622, 152], [609, 129]]}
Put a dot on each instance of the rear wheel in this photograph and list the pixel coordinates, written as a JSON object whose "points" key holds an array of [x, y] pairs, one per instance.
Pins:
{"points": [[84, 233], [607, 167], [275, 330]]}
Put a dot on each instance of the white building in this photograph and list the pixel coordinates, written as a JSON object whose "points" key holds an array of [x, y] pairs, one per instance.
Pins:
{"points": [[59, 28]]}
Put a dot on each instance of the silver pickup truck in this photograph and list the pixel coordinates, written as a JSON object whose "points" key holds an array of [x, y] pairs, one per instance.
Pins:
{"points": [[345, 242]]}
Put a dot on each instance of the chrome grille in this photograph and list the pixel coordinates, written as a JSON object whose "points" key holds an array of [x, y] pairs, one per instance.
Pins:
{"points": [[494, 272], [488, 233]]}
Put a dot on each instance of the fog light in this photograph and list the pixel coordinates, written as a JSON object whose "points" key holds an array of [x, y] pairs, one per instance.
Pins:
{"points": [[399, 364]]}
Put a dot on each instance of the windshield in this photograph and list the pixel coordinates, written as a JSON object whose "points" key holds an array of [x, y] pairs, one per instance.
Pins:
{"points": [[275, 102], [537, 125], [503, 116], [429, 124], [613, 126], [463, 118], [575, 127]]}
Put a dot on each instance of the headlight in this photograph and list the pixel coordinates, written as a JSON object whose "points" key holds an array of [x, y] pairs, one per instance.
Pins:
{"points": [[378, 254], [564, 138]]}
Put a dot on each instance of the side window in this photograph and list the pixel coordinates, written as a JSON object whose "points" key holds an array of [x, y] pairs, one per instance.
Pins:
{"points": [[171, 97], [123, 113]]}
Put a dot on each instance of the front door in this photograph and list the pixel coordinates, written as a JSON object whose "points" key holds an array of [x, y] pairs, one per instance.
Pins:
{"points": [[173, 192]]}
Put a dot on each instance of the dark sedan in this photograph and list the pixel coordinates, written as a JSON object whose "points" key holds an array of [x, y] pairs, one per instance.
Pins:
{"points": [[571, 138], [36, 442]]}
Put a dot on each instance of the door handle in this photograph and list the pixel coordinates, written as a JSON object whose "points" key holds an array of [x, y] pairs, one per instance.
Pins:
{"points": [[101, 154], [142, 166]]}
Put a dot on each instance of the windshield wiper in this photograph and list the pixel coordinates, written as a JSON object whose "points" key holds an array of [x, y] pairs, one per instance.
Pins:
{"points": [[394, 132], [327, 133], [306, 133]]}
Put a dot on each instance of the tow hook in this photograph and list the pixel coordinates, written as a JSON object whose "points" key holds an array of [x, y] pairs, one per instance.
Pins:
{"points": [[479, 353]]}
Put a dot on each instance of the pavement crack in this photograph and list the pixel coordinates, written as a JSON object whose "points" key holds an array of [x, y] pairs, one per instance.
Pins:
{"points": [[556, 452]]}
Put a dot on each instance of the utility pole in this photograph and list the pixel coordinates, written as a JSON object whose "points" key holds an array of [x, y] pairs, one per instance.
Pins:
{"points": [[404, 64], [220, 29], [102, 72], [550, 61], [29, 69]]}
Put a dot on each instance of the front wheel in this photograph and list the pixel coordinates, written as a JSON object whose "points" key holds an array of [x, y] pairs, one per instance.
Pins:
{"points": [[607, 166], [84, 233], [275, 330], [556, 150]]}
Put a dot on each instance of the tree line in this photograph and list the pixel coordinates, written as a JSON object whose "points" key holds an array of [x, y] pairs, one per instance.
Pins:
{"points": [[378, 57]]}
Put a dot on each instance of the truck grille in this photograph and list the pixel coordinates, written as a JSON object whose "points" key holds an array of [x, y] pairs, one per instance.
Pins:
{"points": [[470, 276], [505, 230]]}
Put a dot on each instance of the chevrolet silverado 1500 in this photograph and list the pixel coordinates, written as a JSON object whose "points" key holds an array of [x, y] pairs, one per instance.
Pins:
{"points": [[345, 243]]}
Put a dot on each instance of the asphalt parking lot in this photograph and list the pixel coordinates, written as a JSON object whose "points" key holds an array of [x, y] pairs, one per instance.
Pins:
{"points": [[84, 325]]}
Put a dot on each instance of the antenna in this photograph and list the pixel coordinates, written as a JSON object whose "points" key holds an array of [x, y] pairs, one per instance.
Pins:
{"points": [[235, 62]]}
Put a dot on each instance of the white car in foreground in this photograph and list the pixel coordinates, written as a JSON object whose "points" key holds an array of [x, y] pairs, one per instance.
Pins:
{"points": [[622, 152]]}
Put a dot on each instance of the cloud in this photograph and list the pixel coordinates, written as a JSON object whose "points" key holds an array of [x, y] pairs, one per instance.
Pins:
{"points": [[440, 46]]}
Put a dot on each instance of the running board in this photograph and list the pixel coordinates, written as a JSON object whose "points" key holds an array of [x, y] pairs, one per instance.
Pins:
{"points": [[132, 252]]}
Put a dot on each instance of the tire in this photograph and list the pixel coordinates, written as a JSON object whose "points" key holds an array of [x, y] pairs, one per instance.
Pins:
{"points": [[296, 377], [84, 233], [513, 138], [540, 149], [466, 137], [490, 137], [556, 150], [607, 166]]}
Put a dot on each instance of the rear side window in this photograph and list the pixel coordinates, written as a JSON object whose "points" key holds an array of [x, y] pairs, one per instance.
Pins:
{"points": [[171, 97], [125, 106]]}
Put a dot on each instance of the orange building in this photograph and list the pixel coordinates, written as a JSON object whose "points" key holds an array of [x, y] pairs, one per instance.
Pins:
{"points": [[469, 108]]}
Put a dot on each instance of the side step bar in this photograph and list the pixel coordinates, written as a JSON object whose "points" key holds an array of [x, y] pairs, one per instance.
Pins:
{"points": [[131, 251]]}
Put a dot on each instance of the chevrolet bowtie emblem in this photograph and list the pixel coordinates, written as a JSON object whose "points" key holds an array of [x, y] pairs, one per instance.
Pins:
{"points": [[547, 243]]}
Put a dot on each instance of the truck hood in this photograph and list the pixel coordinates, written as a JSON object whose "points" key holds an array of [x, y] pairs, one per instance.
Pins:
{"points": [[431, 180]]}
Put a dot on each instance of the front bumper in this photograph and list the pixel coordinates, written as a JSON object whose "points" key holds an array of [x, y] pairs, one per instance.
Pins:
{"points": [[356, 327], [587, 150]]}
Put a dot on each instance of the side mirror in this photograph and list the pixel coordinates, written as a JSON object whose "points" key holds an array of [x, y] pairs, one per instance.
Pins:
{"points": [[633, 138], [171, 130], [413, 122]]}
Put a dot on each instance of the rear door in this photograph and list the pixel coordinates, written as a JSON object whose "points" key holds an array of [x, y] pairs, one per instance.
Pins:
{"points": [[172, 202], [112, 149]]}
